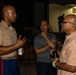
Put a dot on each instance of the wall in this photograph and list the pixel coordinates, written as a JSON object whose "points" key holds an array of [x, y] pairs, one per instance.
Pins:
{"points": [[39, 13], [56, 10]]}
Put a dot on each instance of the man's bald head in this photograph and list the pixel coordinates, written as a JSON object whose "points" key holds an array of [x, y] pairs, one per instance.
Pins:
{"points": [[6, 8], [9, 13], [72, 17]]}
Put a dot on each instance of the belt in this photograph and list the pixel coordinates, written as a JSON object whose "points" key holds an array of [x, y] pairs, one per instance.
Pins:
{"points": [[8, 58]]}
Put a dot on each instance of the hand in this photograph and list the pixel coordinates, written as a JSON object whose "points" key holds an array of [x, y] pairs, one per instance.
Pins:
{"points": [[22, 50], [51, 53], [20, 42], [43, 34], [53, 63]]}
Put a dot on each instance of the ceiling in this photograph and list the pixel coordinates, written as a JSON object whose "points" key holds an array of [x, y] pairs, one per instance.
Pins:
{"points": [[63, 1], [21, 2]]}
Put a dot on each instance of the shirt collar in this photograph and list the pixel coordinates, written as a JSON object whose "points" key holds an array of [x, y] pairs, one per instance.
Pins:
{"points": [[4, 24], [71, 35]]}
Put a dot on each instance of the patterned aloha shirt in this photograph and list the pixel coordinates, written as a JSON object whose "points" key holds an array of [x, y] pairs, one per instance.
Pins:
{"points": [[68, 53]]}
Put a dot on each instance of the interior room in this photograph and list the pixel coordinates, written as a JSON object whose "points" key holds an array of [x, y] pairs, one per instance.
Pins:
{"points": [[30, 13]]}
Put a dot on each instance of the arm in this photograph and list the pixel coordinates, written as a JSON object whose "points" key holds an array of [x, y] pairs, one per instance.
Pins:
{"points": [[70, 64], [51, 43], [65, 67], [40, 50], [8, 49]]}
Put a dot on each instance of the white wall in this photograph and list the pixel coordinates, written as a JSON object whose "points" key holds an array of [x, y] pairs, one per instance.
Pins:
{"points": [[56, 10]]}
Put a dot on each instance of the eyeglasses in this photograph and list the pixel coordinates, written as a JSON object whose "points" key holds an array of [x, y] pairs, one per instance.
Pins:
{"points": [[66, 22]]}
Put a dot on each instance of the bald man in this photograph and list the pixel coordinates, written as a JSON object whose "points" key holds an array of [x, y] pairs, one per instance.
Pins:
{"points": [[9, 42], [67, 62]]}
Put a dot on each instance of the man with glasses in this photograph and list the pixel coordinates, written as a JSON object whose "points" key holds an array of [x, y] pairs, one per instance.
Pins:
{"points": [[67, 63]]}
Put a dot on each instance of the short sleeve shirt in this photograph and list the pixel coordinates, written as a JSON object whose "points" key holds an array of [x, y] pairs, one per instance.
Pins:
{"points": [[68, 53], [40, 42], [8, 36]]}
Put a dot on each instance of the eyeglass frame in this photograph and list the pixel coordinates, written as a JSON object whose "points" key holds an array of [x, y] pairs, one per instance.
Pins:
{"points": [[66, 22]]}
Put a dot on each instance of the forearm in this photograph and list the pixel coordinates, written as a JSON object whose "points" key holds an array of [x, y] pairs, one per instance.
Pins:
{"points": [[40, 50], [51, 43], [7, 49], [65, 67]]}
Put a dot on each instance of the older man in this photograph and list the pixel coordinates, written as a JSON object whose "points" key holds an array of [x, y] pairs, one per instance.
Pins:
{"points": [[67, 62]]}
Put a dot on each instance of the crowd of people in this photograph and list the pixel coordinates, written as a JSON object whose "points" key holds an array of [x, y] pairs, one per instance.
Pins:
{"points": [[44, 44]]}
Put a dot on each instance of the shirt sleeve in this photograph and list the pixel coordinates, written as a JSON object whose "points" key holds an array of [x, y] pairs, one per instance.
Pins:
{"points": [[53, 37], [36, 43]]}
